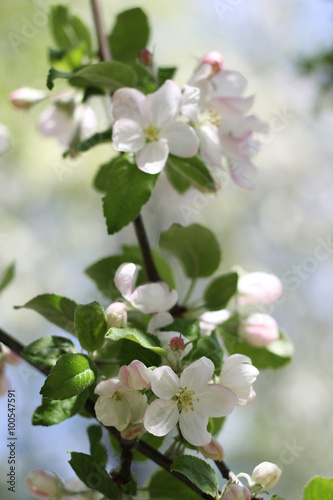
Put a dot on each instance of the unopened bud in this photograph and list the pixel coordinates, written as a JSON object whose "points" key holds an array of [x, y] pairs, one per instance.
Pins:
{"points": [[177, 344], [213, 58], [135, 376], [116, 315], [212, 450], [236, 492], [259, 288], [259, 330], [132, 431], [266, 475], [26, 98], [43, 484], [145, 56]]}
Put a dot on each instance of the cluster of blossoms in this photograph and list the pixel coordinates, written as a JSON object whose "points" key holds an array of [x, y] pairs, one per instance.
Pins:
{"points": [[264, 477], [9, 357]]}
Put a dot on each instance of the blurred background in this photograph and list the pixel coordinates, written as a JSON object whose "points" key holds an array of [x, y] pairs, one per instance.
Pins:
{"points": [[51, 220]]}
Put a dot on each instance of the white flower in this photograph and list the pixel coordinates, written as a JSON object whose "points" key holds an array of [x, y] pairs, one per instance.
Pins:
{"points": [[118, 405], [44, 484], [189, 400], [265, 476], [149, 298], [239, 374], [259, 329], [26, 97], [147, 126], [4, 139], [259, 288]]}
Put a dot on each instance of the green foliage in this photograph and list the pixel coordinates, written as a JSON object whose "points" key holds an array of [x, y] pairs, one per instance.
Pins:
{"points": [[52, 412], [109, 75], [144, 339], [128, 189], [128, 351], [195, 246], [47, 350], [55, 308], [184, 173], [101, 178], [70, 375], [7, 277], [91, 142], [164, 486], [220, 291], [164, 74], [90, 326], [97, 449], [129, 35], [188, 327], [93, 475], [209, 347], [319, 488], [215, 425], [197, 471], [68, 31], [53, 74]]}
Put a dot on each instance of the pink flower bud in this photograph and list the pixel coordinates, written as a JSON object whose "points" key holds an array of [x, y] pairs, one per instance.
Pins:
{"points": [[135, 376], [236, 492], [9, 356], [116, 315], [25, 97], [177, 344], [132, 431], [212, 450], [266, 475], [259, 288], [215, 60], [43, 484], [259, 330], [145, 56]]}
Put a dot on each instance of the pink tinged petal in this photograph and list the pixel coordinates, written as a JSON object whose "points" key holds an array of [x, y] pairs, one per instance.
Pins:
{"points": [[128, 103], [163, 106], [236, 492], [229, 84], [214, 59], [193, 426], [125, 278], [160, 320], [127, 136], [190, 102], [107, 387], [259, 288], [114, 413], [240, 172], [164, 382], [170, 297], [56, 122], [259, 330], [161, 417], [135, 376], [198, 374], [181, 138], [152, 158], [44, 484], [231, 106], [210, 145], [215, 400], [215, 317]]}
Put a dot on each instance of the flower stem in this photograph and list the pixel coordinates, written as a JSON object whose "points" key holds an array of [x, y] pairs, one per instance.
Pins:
{"points": [[190, 291]]}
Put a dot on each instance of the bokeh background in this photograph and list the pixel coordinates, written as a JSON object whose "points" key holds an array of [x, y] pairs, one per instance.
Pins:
{"points": [[51, 220]]}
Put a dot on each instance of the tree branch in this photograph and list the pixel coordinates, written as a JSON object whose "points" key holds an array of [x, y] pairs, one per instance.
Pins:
{"points": [[104, 50]]}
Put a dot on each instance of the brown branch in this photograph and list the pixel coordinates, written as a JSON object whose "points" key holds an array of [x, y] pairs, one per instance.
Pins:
{"points": [[104, 50]]}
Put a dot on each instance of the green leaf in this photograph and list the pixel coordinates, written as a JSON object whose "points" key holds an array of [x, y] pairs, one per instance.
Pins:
{"points": [[164, 74], [209, 347], [53, 412], [68, 31], [129, 351], [188, 327], [7, 276], [220, 291], [47, 350], [102, 177], [195, 246], [97, 449], [197, 471], [53, 74], [70, 375], [144, 339], [128, 190], [164, 486], [90, 326], [91, 142], [215, 425], [319, 488], [186, 172], [276, 497], [110, 75], [93, 475], [129, 35], [55, 308]]}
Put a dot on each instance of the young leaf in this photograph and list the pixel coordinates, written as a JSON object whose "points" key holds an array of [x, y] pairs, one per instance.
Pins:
{"points": [[220, 291], [109, 75], [93, 475], [55, 308], [209, 347], [90, 326], [164, 486], [53, 74], [68, 31], [197, 471], [186, 172], [128, 190], [195, 246], [144, 339], [47, 350], [97, 449], [129, 35], [319, 488], [53, 412], [7, 276], [70, 375], [164, 74]]}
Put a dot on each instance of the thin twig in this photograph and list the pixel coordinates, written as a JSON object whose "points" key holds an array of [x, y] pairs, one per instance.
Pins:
{"points": [[104, 50]]}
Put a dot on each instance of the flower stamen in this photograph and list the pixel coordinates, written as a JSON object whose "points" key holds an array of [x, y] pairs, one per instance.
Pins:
{"points": [[151, 132]]}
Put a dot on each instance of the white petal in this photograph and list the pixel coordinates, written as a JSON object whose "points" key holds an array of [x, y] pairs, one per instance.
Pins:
{"points": [[152, 158], [161, 417], [162, 106], [215, 317], [4, 139], [127, 136], [198, 374], [160, 320], [193, 426], [137, 403], [164, 382], [216, 400], [189, 102], [56, 122], [107, 387], [230, 106], [210, 145], [113, 413], [229, 84], [125, 279], [240, 172], [181, 139], [88, 121], [128, 103], [151, 298]]}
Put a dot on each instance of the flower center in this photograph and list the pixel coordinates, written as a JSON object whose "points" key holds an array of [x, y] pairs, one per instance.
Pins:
{"points": [[151, 132], [118, 396], [185, 398], [214, 118]]}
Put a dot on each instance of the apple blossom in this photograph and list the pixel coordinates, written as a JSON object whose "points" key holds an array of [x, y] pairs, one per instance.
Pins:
{"points": [[149, 298], [239, 374], [215, 60], [135, 376], [259, 329], [44, 484], [26, 97], [236, 492], [9, 357], [265, 476], [210, 319], [177, 344], [148, 126], [80, 491], [189, 400], [258, 288], [212, 450], [116, 315], [4, 139]]}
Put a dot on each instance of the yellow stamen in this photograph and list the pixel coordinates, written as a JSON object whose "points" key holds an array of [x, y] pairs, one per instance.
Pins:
{"points": [[118, 396], [151, 132]]}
